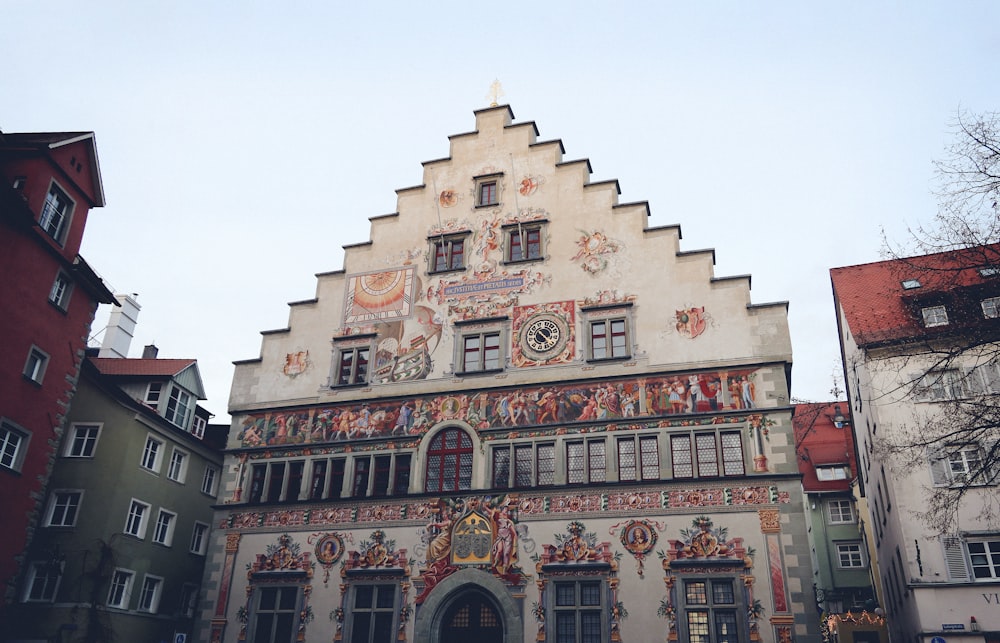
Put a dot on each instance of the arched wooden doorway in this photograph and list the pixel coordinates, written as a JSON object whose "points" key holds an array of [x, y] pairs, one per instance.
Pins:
{"points": [[472, 617], [470, 587]]}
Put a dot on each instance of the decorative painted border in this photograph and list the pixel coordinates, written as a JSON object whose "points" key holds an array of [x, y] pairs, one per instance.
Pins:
{"points": [[413, 512]]}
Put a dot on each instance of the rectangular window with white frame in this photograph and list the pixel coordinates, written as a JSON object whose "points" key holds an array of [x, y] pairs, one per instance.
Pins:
{"points": [[959, 465], [136, 519], [13, 445], [34, 366], [120, 591], [177, 470], [153, 392], [208, 481], [149, 596], [82, 440], [991, 307], [840, 512], [198, 427], [163, 532], [850, 555], [56, 214], [151, 454], [64, 507], [199, 538], [179, 407], [61, 290], [934, 316], [42, 581]]}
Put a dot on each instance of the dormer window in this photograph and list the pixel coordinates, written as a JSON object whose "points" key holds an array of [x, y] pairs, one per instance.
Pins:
{"points": [[179, 408], [910, 284], [991, 307], [55, 213], [934, 316]]}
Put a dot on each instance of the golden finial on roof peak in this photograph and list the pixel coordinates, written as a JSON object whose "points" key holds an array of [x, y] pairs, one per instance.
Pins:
{"points": [[496, 91]]}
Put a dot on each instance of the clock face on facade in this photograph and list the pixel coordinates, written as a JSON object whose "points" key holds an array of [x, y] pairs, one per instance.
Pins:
{"points": [[544, 336]]}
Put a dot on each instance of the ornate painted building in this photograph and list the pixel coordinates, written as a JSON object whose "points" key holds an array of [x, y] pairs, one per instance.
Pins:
{"points": [[516, 414]]}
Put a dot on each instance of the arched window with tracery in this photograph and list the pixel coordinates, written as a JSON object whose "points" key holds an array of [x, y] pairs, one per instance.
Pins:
{"points": [[449, 462]]}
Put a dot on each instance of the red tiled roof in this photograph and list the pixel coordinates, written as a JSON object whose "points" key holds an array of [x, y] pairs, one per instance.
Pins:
{"points": [[875, 304], [819, 443], [140, 367]]}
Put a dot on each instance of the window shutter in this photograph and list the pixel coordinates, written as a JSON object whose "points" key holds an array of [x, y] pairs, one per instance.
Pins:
{"points": [[954, 558], [939, 468]]}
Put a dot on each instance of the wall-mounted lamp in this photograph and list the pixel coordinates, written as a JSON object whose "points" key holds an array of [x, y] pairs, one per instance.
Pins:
{"points": [[839, 420]]}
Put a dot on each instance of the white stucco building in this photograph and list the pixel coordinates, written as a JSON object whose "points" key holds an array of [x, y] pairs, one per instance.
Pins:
{"points": [[517, 413], [898, 319]]}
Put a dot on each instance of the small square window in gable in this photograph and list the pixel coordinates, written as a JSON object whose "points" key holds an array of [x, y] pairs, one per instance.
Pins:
{"points": [[488, 190], [351, 360]]}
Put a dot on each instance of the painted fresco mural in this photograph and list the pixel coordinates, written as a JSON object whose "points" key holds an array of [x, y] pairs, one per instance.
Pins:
{"points": [[475, 531], [592, 401], [283, 563], [595, 250], [638, 537], [577, 552], [707, 549]]}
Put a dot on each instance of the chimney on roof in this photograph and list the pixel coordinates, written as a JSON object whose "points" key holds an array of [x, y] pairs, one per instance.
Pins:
{"points": [[150, 351], [121, 327]]}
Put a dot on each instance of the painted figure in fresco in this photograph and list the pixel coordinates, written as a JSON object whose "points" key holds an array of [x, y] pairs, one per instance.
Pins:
{"points": [[736, 392], [503, 552], [519, 409], [628, 405], [589, 411], [421, 417], [363, 422], [346, 418], [251, 433], [502, 409], [549, 406], [694, 391], [746, 389], [404, 419], [676, 397], [440, 545]]}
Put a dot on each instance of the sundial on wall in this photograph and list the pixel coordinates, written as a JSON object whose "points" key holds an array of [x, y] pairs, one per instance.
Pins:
{"points": [[543, 336], [379, 296]]}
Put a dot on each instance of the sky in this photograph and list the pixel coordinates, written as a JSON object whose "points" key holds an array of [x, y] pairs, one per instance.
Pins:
{"points": [[242, 144]]}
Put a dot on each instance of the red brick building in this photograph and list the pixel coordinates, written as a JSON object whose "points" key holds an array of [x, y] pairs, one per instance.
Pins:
{"points": [[48, 184]]}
